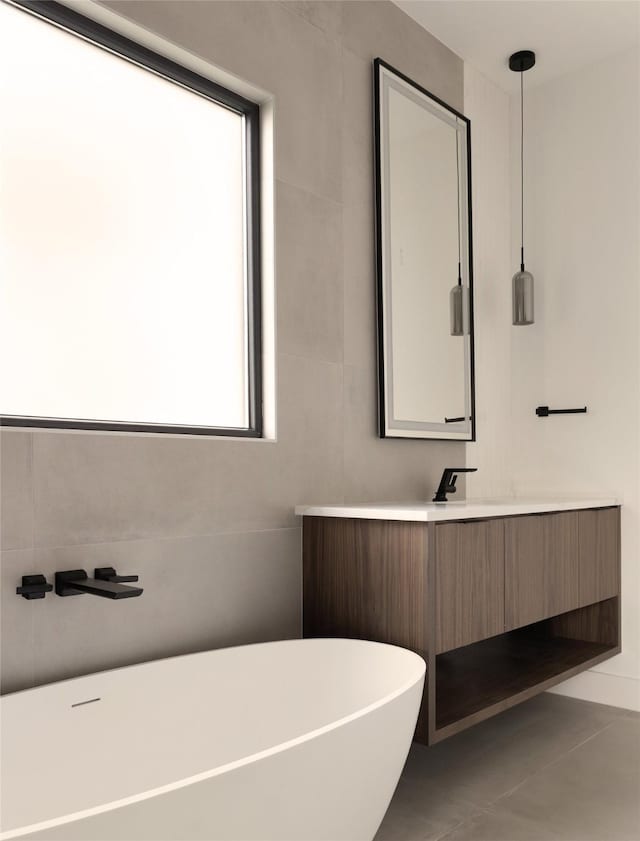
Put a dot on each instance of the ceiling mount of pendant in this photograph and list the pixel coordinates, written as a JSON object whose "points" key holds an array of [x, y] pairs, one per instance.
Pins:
{"points": [[522, 60]]}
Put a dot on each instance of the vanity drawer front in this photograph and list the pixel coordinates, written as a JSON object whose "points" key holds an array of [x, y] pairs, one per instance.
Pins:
{"points": [[541, 567], [469, 582], [599, 553]]}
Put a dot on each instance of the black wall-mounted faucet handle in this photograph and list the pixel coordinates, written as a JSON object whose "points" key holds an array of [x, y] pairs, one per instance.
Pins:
{"points": [[448, 481], [34, 587], [109, 574]]}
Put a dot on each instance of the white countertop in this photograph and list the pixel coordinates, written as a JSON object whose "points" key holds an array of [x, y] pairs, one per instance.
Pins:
{"points": [[471, 509]]}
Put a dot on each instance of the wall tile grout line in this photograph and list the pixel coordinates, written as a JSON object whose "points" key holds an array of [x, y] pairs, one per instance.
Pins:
{"points": [[332, 362], [288, 183], [334, 39], [123, 541]]}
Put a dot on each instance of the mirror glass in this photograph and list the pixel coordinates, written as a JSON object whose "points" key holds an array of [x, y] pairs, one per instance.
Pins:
{"points": [[425, 312]]}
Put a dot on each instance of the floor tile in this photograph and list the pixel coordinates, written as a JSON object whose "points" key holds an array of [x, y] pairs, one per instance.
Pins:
{"points": [[423, 811], [486, 761], [591, 794], [498, 826], [552, 769]]}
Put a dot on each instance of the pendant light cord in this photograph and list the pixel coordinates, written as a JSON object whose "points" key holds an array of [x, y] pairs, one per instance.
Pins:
{"points": [[521, 171], [458, 196]]}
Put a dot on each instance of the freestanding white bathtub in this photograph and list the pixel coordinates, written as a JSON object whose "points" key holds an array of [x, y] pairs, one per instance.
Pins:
{"points": [[284, 741]]}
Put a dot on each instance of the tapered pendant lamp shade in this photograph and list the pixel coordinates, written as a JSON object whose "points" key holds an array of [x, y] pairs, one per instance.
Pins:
{"points": [[458, 295], [522, 294], [522, 282], [457, 309]]}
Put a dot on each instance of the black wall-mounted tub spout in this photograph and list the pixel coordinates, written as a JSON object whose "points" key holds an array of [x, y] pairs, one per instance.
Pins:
{"points": [[448, 481], [74, 582]]}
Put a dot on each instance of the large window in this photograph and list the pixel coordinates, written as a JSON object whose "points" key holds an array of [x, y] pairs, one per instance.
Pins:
{"points": [[129, 241]]}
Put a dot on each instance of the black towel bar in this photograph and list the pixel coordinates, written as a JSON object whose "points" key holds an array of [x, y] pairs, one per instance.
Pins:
{"points": [[545, 411]]}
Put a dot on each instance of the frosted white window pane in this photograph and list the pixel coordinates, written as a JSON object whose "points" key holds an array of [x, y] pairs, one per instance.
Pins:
{"points": [[122, 239]]}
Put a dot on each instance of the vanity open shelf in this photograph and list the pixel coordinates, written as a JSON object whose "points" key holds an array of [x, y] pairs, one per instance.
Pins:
{"points": [[500, 607], [479, 680]]}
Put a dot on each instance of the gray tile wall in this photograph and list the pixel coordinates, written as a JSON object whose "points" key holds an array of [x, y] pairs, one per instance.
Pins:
{"points": [[209, 524]]}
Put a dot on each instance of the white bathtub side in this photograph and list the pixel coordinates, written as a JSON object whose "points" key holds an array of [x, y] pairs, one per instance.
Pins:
{"points": [[334, 787], [185, 719]]}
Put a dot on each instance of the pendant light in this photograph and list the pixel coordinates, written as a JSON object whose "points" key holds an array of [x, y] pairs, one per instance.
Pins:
{"points": [[457, 296], [523, 280]]}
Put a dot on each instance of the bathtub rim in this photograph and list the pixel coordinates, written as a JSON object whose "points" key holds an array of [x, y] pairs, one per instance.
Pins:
{"points": [[228, 766]]}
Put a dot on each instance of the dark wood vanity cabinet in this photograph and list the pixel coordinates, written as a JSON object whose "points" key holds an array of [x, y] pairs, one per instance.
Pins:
{"points": [[598, 555], [555, 563], [365, 579], [541, 567], [500, 608], [469, 582]]}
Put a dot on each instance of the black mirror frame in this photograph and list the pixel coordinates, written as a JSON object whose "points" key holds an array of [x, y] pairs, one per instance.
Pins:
{"points": [[379, 63]]}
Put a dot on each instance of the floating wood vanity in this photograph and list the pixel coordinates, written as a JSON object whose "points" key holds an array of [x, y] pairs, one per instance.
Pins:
{"points": [[503, 600]]}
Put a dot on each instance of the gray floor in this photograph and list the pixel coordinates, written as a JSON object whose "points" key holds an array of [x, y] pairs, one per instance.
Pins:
{"points": [[551, 769]]}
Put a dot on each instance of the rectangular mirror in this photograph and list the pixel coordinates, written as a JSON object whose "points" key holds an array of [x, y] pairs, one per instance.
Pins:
{"points": [[424, 262]]}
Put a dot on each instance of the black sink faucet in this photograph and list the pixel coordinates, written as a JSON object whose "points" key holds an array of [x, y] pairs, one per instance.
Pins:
{"points": [[74, 582], [448, 481]]}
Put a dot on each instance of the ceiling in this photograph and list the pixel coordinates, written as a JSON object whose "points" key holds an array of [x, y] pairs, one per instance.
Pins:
{"points": [[565, 34]]}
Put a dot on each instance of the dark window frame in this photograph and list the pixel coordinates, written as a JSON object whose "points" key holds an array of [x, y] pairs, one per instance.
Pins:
{"points": [[105, 38]]}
